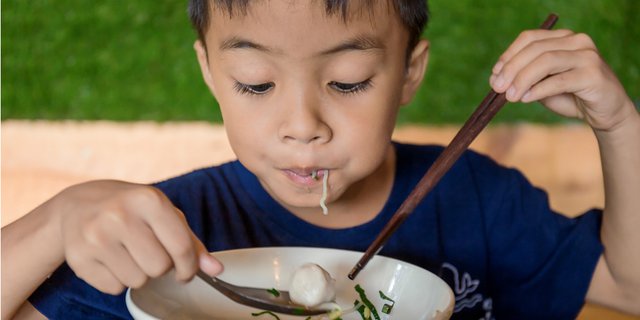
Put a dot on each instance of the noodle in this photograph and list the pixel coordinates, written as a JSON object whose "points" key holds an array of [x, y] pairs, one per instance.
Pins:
{"points": [[323, 205]]}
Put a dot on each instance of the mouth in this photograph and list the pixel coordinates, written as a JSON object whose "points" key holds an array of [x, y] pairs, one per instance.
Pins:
{"points": [[305, 176]]}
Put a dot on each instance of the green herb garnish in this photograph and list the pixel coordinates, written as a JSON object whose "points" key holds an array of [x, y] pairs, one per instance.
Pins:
{"points": [[274, 292], [361, 310], [367, 303], [257, 314], [387, 307]]}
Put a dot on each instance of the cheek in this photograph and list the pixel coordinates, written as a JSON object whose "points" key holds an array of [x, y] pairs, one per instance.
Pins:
{"points": [[375, 118], [245, 129], [367, 140], [246, 133], [369, 132]]}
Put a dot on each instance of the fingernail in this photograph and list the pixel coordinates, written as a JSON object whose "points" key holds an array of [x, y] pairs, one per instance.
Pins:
{"points": [[499, 81], [527, 96], [209, 264], [511, 93], [497, 67]]}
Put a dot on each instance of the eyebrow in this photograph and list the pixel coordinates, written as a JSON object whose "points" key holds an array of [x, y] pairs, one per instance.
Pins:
{"points": [[357, 43], [239, 43]]}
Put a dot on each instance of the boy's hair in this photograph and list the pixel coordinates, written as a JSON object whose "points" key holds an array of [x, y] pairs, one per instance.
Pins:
{"points": [[413, 13]]}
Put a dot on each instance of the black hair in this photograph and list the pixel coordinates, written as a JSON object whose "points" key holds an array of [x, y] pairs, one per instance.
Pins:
{"points": [[414, 14]]}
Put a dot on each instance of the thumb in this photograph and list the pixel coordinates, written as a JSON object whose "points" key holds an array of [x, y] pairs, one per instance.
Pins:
{"points": [[206, 261]]}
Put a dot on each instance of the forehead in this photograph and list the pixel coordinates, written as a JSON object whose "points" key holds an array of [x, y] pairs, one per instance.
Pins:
{"points": [[304, 26]]}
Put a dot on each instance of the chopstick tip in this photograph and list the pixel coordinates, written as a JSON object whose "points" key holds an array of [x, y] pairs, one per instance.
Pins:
{"points": [[355, 271]]}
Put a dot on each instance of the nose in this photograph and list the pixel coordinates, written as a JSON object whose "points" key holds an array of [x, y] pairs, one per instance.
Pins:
{"points": [[302, 122]]}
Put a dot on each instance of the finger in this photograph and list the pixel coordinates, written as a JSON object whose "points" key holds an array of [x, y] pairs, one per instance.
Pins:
{"points": [[532, 51], [169, 226], [563, 104], [523, 40], [122, 266], [548, 63], [98, 242], [561, 63], [99, 277], [553, 91], [175, 236], [565, 82], [146, 250], [207, 262]]}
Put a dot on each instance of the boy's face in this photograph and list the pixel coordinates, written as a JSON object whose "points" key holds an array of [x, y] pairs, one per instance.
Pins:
{"points": [[300, 91]]}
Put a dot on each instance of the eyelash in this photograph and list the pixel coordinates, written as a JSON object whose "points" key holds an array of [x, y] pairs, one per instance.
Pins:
{"points": [[253, 89], [263, 88], [351, 88]]}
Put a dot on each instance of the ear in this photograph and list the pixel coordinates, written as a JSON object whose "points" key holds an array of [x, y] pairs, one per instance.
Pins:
{"points": [[203, 60], [415, 71]]}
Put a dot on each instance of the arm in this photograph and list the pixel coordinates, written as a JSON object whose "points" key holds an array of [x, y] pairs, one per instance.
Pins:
{"points": [[565, 72], [30, 252], [616, 281], [112, 234], [28, 312]]}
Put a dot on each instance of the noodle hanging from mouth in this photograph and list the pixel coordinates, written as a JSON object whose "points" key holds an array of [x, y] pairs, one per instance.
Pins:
{"points": [[323, 205]]}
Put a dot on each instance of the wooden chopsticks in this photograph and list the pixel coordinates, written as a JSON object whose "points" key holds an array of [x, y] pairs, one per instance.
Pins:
{"points": [[479, 119]]}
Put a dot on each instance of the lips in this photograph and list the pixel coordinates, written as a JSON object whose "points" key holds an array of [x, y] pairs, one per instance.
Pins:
{"points": [[305, 176]]}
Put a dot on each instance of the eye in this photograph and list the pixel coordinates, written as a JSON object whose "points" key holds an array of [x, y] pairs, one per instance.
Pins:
{"points": [[348, 88], [256, 89]]}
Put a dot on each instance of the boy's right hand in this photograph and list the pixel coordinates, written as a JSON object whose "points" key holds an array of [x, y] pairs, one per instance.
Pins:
{"points": [[117, 235]]}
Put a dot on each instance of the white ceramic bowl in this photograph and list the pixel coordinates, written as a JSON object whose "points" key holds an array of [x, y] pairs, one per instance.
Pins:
{"points": [[418, 293]]}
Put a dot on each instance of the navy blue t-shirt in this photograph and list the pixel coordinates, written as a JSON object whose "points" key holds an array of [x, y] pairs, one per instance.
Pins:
{"points": [[484, 229]]}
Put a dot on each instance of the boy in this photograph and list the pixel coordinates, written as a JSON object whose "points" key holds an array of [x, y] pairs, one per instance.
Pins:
{"points": [[310, 88]]}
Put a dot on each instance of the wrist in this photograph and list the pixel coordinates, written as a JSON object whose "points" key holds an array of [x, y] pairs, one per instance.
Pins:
{"points": [[627, 126], [49, 227], [31, 251]]}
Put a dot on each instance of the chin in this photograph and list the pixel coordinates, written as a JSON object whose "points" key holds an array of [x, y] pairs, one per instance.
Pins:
{"points": [[312, 201], [303, 201]]}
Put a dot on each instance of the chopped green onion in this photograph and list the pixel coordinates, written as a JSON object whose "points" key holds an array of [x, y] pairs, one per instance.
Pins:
{"points": [[361, 310], [383, 296], [387, 307], [366, 302], [274, 292], [257, 314]]}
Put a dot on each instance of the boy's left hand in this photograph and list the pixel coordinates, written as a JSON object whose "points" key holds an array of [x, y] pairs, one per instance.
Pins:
{"points": [[565, 72]]}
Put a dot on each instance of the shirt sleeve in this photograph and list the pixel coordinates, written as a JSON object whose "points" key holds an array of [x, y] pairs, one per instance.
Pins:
{"points": [[540, 262], [65, 296]]}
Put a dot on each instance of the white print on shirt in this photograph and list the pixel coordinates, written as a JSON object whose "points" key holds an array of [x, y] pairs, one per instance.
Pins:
{"points": [[464, 288], [487, 306]]}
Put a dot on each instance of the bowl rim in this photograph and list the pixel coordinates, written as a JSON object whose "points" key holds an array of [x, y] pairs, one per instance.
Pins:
{"points": [[130, 304]]}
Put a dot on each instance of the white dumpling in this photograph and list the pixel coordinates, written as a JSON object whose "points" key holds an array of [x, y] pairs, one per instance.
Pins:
{"points": [[311, 285]]}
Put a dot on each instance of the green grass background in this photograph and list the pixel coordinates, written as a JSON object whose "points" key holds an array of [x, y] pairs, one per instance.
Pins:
{"points": [[133, 60]]}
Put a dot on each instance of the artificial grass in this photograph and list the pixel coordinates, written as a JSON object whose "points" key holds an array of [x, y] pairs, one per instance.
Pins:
{"points": [[133, 60]]}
